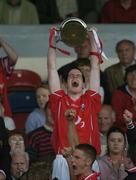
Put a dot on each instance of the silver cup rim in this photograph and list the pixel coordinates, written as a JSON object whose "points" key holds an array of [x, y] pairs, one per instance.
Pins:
{"points": [[73, 19]]}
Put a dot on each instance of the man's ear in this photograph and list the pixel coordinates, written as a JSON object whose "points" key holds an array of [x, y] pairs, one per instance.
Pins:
{"points": [[88, 162]]}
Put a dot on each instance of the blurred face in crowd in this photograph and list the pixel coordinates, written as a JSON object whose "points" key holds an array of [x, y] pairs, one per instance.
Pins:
{"points": [[74, 82], [116, 143], [14, 2], [16, 142], [19, 165], [105, 119], [80, 162], [42, 96], [83, 50], [131, 80], [126, 3], [126, 53]]}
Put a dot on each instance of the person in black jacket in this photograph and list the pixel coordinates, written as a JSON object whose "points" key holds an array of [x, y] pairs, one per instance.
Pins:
{"points": [[131, 136]]}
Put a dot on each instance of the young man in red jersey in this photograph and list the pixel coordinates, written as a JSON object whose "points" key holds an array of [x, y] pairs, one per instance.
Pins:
{"points": [[86, 105]]}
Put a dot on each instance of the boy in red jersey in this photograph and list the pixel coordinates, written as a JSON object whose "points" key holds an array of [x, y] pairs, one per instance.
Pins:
{"points": [[86, 105]]}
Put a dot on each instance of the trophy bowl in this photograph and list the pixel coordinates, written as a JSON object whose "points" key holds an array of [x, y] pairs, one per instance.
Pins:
{"points": [[73, 31]]}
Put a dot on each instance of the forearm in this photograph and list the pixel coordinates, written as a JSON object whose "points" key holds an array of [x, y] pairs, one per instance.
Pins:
{"points": [[95, 74], [51, 58], [95, 60], [9, 51], [53, 78], [72, 135]]}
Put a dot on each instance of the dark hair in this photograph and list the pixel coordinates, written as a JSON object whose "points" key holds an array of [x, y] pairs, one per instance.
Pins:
{"points": [[64, 71], [88, 149], [128, 70], [125, 41], [115, 129]]}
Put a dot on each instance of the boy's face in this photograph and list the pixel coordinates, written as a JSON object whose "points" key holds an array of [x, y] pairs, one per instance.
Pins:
{"points": [[79, 162], [75, 81]]}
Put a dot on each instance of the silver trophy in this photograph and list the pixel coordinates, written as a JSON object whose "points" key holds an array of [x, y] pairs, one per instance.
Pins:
{"points": [[73, 32]]}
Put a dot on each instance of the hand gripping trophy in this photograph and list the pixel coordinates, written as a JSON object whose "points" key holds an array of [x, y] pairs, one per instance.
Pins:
{"points": [[73, 32]]}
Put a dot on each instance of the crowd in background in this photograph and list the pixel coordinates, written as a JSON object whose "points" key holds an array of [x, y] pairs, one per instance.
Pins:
{"points": [[84, 124], [55, 11]]}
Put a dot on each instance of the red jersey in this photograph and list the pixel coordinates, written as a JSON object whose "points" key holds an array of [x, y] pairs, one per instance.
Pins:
{"points": [[87, 107], [93, 176], [5, 71]]}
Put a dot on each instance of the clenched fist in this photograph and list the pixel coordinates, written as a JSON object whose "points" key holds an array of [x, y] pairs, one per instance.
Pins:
{"points": [[70, 114]]}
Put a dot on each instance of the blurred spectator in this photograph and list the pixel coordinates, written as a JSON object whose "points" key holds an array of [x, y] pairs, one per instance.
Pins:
{"points": [[16, 141], [67, 8], [18, 12], [106, 118], [130, 161], [114, 74], [6, 67], [40, 170], [9, 122], [47, 11], [37, 117], [125, 97], [87, 11], [39, 141], [4, 149], [119, 11], [99, 5], [111, 165], [19, 164]]}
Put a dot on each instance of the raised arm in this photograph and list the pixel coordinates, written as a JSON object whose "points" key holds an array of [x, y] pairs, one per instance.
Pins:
{"points": [[53, 77], [95, 65], [9, 51]]}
